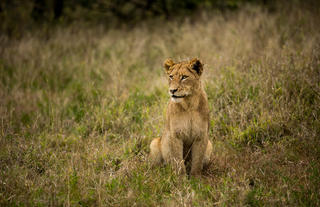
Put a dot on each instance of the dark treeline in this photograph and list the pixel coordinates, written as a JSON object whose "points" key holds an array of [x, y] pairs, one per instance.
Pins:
{"points": [[17, 16]]}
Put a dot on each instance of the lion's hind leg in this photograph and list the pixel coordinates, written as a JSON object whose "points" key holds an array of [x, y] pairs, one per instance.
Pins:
{"points": [[155, 152], [207, 155]]}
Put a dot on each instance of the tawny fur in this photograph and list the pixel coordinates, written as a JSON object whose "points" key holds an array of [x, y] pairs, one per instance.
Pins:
{"points": [[185, 135]]}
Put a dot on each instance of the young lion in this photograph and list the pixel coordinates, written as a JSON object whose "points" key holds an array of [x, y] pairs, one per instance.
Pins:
{"points": [[185, 137]]}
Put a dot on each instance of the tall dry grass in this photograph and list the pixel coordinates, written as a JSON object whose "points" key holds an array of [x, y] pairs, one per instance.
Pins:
{"points": [[79, 109]]}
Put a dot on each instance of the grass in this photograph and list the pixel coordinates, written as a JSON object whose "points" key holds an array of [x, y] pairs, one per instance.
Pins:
{"points": [[80, 108]]}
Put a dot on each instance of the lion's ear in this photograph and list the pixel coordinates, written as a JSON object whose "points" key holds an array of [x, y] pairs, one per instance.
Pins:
{"points": [[197, 66], [168, 64]]}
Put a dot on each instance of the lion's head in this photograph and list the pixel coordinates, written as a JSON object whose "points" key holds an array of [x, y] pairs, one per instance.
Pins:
{"points": [[183, 78]]}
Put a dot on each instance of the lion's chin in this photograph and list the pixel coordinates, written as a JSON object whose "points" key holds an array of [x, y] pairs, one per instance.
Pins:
{"points": [[176, 100]]}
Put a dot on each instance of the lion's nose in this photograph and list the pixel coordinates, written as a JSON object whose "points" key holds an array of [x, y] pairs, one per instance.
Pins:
{"points": [[172, 91]]}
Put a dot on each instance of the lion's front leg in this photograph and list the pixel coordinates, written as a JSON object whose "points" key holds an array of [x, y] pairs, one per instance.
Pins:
{"points": [[198, 153], [173, 154]]}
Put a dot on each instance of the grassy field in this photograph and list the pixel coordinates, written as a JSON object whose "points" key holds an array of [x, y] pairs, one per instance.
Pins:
{"points": [[79, 108]]}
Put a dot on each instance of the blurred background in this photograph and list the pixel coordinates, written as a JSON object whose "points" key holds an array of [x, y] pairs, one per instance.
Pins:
{"points": [[18, 16]]}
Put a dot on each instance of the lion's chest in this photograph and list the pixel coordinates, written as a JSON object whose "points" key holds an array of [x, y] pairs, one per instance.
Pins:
{"points": [[188, 126]]}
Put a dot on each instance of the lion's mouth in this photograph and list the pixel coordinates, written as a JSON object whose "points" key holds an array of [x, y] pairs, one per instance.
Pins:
{"points": [[174, 96]]}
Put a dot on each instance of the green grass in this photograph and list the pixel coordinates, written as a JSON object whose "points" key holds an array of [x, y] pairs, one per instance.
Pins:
{"points": [[79, 110]]}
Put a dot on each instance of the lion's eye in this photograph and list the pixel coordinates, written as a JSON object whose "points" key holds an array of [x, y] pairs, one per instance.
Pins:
{"points": [[170, 76], [184, 77]]}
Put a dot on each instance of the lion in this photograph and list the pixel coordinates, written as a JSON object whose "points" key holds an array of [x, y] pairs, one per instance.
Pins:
{"points": [[185, 137]]}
